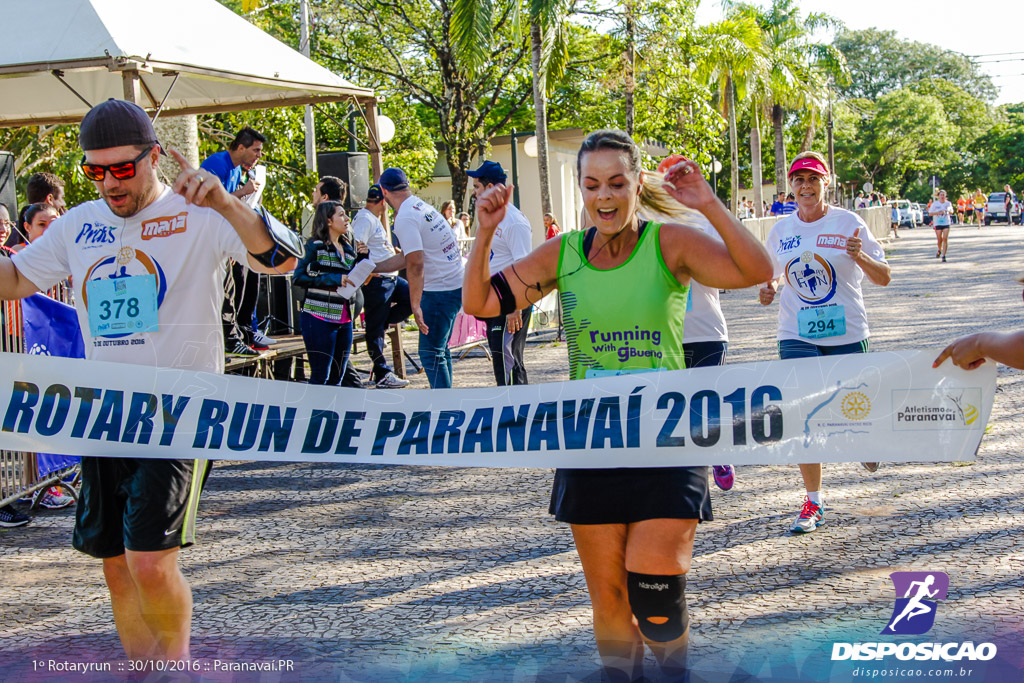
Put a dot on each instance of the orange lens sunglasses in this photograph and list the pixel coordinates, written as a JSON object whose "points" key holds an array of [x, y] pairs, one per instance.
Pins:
{"points": [[121, 171]]}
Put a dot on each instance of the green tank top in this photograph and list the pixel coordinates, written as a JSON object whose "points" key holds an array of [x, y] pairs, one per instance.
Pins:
{"points": [[627, 318]]}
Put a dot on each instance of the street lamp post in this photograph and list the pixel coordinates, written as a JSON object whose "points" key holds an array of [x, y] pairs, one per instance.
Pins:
{"points": [[716, 166], [831, 150], [515, 161]]}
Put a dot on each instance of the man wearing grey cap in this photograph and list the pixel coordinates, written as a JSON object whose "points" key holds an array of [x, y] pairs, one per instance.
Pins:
{"points": [[163, 251]]}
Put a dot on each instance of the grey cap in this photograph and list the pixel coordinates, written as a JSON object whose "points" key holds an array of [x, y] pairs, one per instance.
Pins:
{"points": [[115, 123]]}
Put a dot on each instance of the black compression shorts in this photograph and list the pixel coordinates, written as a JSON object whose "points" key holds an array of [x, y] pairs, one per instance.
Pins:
{"points": [[138, 504]]}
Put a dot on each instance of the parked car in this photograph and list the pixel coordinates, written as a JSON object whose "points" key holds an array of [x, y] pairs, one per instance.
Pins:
{"points": [[918, 212], [995, 209], [907, 217]]}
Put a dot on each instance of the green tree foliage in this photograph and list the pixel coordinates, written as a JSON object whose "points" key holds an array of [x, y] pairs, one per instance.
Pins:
{"points": [[470, 77], [673, 105], [1000, 152], [882, 142], [883, 115], [589, 96], [880, 62], [801, 70], [51, 149], [289, 186], [733, 62], [971, 116]]}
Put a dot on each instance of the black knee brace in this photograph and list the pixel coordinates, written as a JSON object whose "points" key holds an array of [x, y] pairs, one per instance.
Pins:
{"points": [[659, 604]]}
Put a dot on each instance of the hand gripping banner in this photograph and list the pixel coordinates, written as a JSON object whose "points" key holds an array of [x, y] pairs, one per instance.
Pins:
{"points": [[878, 406]]}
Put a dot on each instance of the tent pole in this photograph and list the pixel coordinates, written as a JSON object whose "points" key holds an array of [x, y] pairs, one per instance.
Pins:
{"points": [[376, 162], [308, 117], [160, 107], [130, 83], [59, 75]]}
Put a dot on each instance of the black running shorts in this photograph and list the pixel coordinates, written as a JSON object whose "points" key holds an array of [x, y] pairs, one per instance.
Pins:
{"points": [[138, 504], [625, 495]]}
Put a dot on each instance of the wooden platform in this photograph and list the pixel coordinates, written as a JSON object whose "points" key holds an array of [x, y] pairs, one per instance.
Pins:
{"points": [[277, 361]]}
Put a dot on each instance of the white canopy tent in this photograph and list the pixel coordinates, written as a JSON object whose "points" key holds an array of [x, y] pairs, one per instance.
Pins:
{"points": [[181, 57]]}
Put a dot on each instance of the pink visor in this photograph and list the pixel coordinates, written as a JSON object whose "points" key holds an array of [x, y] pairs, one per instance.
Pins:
{"points": [[810, 164]]}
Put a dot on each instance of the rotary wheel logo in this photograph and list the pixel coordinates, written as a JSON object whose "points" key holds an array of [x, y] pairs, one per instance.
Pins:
{"points": [[125, 255], [856, 406]]}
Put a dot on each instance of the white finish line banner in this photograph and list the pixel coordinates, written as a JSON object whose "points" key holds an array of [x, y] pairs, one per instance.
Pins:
{"points": [[862, 407]]}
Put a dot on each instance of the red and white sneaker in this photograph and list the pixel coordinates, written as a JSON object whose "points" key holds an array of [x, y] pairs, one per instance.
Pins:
{"points": [[810, 518]]}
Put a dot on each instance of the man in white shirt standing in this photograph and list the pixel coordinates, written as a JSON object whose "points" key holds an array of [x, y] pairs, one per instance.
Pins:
{"points": [[164, 250], [513, 239], [386, 295], [434, 266]]}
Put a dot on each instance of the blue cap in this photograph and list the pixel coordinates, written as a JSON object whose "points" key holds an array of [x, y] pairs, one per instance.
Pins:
{"points": [[394, 179], [374, 194], [489, 172]]}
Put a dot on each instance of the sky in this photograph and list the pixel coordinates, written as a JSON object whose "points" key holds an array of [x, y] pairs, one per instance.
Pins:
{"points": [[990, 26]]}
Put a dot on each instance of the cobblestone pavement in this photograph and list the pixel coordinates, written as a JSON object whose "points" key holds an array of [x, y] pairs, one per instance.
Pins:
{"points": [[358, 573]]}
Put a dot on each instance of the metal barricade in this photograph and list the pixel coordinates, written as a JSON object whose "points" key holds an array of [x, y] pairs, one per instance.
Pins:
{"points": [[18, 470]]}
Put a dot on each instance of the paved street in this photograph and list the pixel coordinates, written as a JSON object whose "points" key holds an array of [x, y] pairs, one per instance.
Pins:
{"points": [[359, 573]]}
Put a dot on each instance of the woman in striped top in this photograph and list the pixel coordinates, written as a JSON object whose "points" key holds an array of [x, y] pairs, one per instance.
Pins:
{"points": [[326, 320]]}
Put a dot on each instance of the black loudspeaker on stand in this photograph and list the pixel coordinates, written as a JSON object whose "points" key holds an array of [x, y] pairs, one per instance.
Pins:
{"points": [[353, 168], [276, 306], [8, 196]]}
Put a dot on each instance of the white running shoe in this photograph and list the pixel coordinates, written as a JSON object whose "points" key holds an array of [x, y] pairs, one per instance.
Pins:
{"points": [[261, 338], [391, 381]]}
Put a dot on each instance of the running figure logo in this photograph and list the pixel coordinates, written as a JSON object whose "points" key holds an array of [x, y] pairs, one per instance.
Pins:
{"points": [[914, 612], [812, 277]]}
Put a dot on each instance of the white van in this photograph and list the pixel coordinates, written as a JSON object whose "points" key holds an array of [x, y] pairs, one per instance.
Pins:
{"points": [[907, 217]]}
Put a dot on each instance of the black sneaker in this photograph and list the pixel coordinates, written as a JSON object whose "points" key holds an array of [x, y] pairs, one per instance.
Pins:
{"points": [[9, 517], [241, 350], [943, 259]]}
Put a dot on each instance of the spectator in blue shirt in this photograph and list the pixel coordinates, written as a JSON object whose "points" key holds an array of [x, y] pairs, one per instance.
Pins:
{"points": [[241, 287], [245, 150], [790, 205], [776, 209]]}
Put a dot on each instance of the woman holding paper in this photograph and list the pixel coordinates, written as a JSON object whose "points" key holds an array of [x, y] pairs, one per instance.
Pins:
{"points": [[822, 253], [634, 528], [326, 319]]}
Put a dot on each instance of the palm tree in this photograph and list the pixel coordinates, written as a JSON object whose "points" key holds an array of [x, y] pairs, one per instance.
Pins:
{"points": [[799, 69], [549, 54], [732, 60]]}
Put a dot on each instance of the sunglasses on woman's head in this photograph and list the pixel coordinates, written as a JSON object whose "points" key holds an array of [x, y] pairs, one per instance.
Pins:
{"points": [[121, 171]]}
